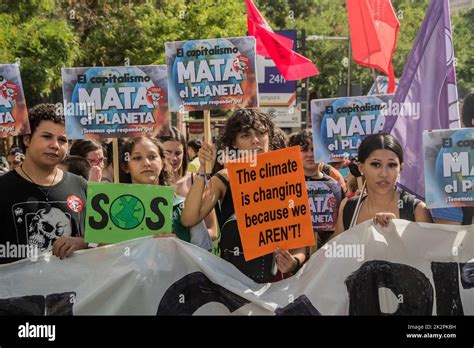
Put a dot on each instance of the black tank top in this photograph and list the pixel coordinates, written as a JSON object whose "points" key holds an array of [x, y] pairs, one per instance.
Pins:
{"points": [[230, 245], [406, 211], [468, 213]]}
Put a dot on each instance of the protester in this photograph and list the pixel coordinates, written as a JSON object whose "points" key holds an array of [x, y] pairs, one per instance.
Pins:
{"points": [[143, 161], [280, 139], [246, 130], [456, 215], [93, 152], [328, 169], [15, 157], [76, 165], [174, 145], [312, 172], [193, 147], [380, 162], [41, 206]]}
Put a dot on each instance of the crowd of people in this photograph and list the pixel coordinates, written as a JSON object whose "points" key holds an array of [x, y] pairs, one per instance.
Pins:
{"points": [[44, 186]]}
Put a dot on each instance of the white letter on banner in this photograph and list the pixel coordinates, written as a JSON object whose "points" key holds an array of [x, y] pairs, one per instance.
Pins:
{"points": [[93, 98], [336, 128], [186, 72], [455, 164]]}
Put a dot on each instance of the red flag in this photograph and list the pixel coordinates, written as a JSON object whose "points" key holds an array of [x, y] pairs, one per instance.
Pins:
{"points": [[254, 20], [292, 66], [374, 28]]}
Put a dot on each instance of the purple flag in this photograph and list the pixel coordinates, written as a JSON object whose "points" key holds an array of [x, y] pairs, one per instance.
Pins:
{"points": [[426, 96]]}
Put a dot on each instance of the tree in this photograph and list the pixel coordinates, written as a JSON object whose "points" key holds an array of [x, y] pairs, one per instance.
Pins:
{"points": [[463, 36], [47, 37], [34, 36]]}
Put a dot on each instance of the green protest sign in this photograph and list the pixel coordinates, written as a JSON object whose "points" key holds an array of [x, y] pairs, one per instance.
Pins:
{"points": [[118, 212]]}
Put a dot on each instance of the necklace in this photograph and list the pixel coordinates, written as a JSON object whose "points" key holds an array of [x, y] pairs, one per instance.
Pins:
{"points": [[45, 193]]}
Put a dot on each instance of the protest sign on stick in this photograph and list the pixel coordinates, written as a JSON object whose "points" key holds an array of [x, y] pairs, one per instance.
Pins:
{"points": [[324, 200], [449, 168], [118, 212], [109, 102], [13, 113], [211, 74], [271, 202], [340, 124]]}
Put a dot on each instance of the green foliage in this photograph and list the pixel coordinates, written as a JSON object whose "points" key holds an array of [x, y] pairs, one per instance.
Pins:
{"points": [[47, 35], [463, 32]]}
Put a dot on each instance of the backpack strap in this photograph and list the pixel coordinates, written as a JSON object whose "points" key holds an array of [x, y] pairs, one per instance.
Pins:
{"points": [[223, 179], [218, 206], [229, 219], [349, 210]]}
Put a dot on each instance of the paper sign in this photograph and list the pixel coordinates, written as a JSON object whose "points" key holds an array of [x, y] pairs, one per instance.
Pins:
{"points": [[106, 102], [118, 212], [449, 168], [212, 74], [271, 202], [340, 124], [13, 113], [324, 200]]}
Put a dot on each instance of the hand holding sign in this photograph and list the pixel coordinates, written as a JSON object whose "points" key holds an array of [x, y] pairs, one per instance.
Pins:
{"points": [[118, 212], [271, 204], [206, 154]]}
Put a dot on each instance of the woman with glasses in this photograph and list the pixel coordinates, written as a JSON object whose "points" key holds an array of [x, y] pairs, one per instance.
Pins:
{"points": [[93, 152]]}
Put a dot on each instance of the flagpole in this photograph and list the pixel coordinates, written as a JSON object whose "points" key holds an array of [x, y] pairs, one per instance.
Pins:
{"points": [[374, 76], [349, 68]]}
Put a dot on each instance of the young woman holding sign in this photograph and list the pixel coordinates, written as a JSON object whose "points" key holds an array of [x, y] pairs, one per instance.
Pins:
{"points": [[246, 130], [143, 161], [380, 162]]}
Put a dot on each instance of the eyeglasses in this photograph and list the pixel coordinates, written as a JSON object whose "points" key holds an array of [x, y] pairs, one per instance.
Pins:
{"points": [[97, 162]]}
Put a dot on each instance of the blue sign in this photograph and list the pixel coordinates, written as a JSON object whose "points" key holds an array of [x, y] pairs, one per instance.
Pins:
{"points": [[270, 79]]}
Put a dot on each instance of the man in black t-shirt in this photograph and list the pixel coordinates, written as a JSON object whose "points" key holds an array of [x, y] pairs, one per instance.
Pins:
{"points": [[42, 208]]}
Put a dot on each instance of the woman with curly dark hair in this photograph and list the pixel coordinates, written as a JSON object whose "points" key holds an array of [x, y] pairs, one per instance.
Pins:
{"points": [[247, 132]]}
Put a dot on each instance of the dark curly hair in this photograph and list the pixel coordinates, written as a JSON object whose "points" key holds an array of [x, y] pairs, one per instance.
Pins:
{"points": [[127, 148], [280, 139], [43, 112], [242, 120], [302, 138]]}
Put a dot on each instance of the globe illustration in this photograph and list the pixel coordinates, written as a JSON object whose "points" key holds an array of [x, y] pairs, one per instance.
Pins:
{"points": [[127, 212], [199, 45], [455, 151], [356, 138], [106, 72]]}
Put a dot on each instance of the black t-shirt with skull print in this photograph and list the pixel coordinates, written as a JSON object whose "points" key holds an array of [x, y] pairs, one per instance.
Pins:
{"points": [[29, 222]]}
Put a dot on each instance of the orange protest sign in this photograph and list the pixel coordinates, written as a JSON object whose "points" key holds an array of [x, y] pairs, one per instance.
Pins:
{"points": [[271, 202]]}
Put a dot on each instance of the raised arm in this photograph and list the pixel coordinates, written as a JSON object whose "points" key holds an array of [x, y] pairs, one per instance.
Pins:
{"points": [[201, 199]]}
